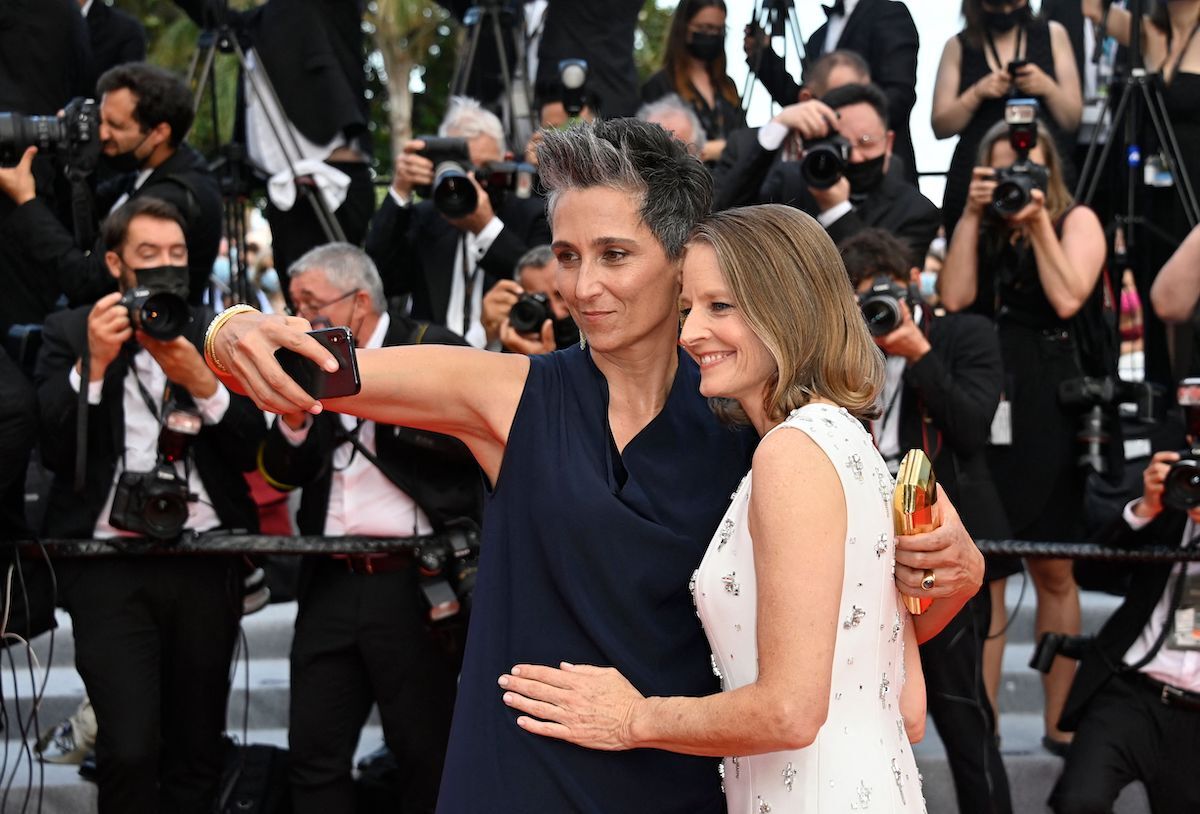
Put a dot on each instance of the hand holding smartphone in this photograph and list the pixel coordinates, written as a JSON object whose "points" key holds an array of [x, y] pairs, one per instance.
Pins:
{"points": [[310, 376]]}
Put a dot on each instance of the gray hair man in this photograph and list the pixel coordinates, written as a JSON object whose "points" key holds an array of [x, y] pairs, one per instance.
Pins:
{"points": [[679, 119], [537, 293], [446, 264]]}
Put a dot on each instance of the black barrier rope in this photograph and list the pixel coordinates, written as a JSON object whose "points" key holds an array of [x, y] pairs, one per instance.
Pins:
{"points": [[225, 543]]}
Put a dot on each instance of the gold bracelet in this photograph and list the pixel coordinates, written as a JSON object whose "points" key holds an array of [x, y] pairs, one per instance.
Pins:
{"points": [[210, 336]]}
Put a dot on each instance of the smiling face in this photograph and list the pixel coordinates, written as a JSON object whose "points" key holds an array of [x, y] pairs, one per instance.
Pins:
{"points": [[613, 274], [734, 362]]}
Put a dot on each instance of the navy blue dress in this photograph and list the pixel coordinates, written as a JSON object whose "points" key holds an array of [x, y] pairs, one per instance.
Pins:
{"points": [[586, 558]]}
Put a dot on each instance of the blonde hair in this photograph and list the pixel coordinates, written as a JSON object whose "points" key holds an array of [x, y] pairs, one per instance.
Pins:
{"points": [[792, 289], [1058, 197]]}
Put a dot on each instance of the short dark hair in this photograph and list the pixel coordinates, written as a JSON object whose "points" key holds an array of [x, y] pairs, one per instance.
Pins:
{"points": [[873, 252], [161, 96], [116, 226], [674, 190], [816, 78], [847, 95]]}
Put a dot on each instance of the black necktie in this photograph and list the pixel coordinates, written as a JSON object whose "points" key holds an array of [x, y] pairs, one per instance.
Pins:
{"points": [[837, 9]]}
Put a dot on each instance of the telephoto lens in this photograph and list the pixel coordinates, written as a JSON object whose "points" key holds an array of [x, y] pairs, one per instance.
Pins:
{"points": [[880, 306], [453, 193], [825, 161], [161, 315], [1181, 488]]}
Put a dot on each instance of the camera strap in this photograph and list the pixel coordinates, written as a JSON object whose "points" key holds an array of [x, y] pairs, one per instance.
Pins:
{"points": [[1022, 42], [159, 411], [469, 278]]}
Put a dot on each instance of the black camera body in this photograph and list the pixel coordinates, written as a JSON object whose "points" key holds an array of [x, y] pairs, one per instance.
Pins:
{"points": [[881, 305], [825, 161], [74, 136], [158, 303], [1094, 398], [153, 504], [1015, 183], [1181, 488], [530, 312], [452, 191]]}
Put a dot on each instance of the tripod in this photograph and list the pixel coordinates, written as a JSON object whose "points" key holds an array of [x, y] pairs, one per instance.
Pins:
{"points": [[772, 18], [515, 98], [1141, 97], [236, 173]]}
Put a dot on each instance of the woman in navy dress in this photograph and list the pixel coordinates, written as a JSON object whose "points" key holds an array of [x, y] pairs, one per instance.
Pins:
{"points": [[607, 473]]}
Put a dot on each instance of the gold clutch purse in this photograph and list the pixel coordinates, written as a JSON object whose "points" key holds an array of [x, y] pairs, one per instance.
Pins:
{"points": [[915, 508]]}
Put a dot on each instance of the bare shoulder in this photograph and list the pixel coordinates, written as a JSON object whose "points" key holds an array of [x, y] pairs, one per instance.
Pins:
{"points": [[789, 457], [1084, 219]]}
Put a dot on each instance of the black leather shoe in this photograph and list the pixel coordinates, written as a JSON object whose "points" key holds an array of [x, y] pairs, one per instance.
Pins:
{"points": [[1055, 747]]}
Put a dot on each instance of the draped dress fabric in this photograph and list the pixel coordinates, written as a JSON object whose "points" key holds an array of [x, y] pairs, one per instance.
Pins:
{"points": [[585, 558], [861, 758]]}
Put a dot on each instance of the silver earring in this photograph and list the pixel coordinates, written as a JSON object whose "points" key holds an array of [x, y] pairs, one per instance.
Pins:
{"points": [[582, 341]]}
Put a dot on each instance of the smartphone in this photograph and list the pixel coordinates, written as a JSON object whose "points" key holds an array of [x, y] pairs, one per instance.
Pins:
{"points": [[1016, 65], [313, 378]]}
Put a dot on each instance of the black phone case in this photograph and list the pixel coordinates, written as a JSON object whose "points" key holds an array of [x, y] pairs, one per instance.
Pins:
{"points": [[315, 381]]}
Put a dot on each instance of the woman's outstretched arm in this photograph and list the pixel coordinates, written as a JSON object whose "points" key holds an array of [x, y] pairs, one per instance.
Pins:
{"points": [[467, 393]]}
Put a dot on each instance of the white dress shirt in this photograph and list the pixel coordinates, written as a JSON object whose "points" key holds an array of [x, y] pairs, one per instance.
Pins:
{"points": [[836, 25], [1179, 668], [362, 501], [886, 428], [141, 438]]}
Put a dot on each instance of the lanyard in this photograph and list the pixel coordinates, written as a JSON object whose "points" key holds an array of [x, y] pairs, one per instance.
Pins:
{"points": [[1022, 40], [469, 277], [1179, 57]]}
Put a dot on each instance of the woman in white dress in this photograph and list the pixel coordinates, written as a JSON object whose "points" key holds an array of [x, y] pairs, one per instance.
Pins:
{"points": [[823, 692]]}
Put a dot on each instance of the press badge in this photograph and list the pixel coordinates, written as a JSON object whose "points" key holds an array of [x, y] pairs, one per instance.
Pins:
{"points": [[1186, 633], [1002, 425], [1157, 172]]}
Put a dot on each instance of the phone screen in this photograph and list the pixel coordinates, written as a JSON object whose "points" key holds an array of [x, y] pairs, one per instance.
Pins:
{"points": [[310, 376]]}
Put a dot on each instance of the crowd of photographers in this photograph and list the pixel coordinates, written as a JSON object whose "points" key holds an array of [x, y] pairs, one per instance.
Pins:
{"points": [[996, 312]]}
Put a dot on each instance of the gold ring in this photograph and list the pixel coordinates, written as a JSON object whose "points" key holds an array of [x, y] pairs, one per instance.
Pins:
{"points": [[928, 582]]}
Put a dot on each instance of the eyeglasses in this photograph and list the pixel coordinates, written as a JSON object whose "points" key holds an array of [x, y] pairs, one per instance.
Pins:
{"points": [[719, 31], [310, 306], [867, 142]]}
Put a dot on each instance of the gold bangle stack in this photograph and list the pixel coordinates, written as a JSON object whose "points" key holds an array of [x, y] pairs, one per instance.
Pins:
{"points": [[210, 336]]}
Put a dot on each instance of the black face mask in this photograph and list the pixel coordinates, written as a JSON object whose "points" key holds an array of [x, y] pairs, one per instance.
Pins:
{"points": [[1001, 21], [865, 175], [164, 279], [706, 47], [125, 162]]}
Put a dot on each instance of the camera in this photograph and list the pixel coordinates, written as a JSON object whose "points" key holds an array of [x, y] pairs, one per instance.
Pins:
{"points": [[74, 136], [1181, 488], [154, 504], [825, 161], [1015, 184], [447, 567], [452, 192], [1091, 396], [158, 303], [881, 305], [1052, 645], [530, 312]]}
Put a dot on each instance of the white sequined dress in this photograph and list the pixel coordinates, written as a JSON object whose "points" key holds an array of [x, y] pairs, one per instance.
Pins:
{"points": [[861, 759]]}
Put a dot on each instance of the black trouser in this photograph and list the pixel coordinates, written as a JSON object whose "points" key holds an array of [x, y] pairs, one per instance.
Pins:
{"points": [[18, 432], [153, 641], [361, 639], [957, 701], [297, 230], [1128, 734]]}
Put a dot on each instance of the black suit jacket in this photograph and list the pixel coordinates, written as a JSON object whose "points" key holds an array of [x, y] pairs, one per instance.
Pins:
{"points": [[946, 407], [116, 37], [895, 206], [221, 452], [183, 180], [415, 249], [601, 33], [740, 171], [45, 58], [313, 52], [1147, 583], [883, 33], [438, 471]]}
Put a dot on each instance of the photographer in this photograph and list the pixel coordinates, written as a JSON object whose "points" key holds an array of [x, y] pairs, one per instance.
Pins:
{"points": [[361, 636], [166, 444], [1027, 257], [882, 32], [845, 178], [444, 263], [942, 384], [1135, 702], [671, 114], [1003, 51], [145, 113], [751, 152], [541, 322]]}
